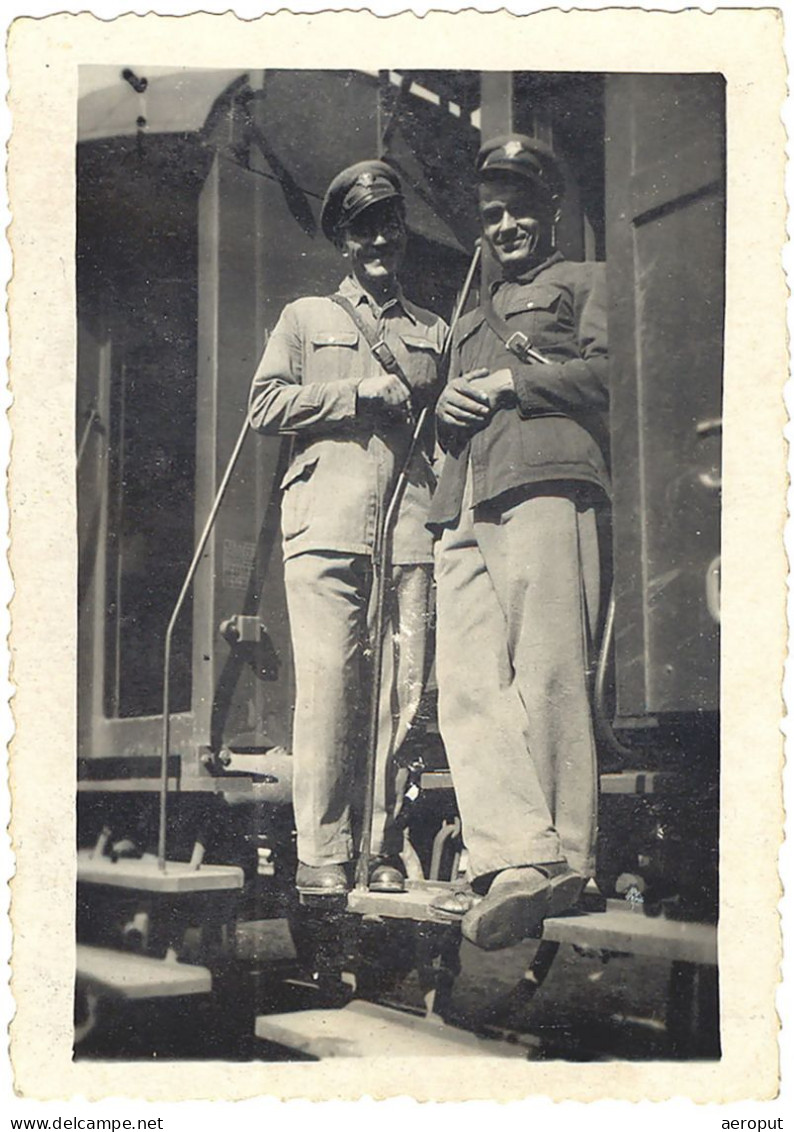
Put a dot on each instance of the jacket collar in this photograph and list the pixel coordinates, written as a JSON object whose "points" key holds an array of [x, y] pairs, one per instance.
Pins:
{"points": [[478, 318], [531, 274], [352, 290]]}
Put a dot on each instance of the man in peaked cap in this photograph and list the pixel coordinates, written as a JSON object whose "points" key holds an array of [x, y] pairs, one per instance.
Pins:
{"points": [[522, 420], [343, 375]]}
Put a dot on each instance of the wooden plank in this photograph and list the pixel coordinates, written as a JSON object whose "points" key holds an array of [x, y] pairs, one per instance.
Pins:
{"points": [[237, 788], [143, 874], [621, 929], [138, 976], [640, 782], [363, 1029], [138, 786], [413, 904]]}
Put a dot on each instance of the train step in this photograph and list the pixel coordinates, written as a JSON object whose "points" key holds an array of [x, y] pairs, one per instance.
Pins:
{"points": [[413, 904], [365, 1029], [627, 781], [119, 974], [144, 875], [620, 927]]}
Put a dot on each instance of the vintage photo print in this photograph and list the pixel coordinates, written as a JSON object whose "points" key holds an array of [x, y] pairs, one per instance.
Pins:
{"points": [[397, 500]]}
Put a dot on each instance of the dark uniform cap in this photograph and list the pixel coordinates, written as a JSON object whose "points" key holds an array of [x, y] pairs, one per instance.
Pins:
{"points": [[528, 157], [355, 189]]}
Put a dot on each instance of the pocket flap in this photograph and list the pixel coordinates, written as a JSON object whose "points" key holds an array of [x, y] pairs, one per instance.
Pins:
{"points": [[415, 342], [538, 299], [300, 468], [334, 338]]}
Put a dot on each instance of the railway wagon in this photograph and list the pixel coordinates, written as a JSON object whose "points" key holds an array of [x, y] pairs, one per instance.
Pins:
{"points": [[198, 197]]}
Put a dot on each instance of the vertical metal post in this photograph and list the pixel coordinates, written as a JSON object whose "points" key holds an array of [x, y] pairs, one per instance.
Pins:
{"points": [[118, 520]]}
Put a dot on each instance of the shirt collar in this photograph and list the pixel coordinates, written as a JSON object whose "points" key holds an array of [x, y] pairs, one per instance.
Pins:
{"points": [[352, 290], [531, 274]]}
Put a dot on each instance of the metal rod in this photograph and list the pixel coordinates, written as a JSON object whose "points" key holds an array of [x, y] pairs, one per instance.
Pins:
{"points": [[603, 722], [380, 564], [202, 542], [118, 572], [380, 556], [537, 356], [93, 418], [464, 294]]}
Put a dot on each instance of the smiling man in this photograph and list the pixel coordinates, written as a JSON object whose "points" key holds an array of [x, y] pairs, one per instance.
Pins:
{"points": [[344, 375], [523, 421]]}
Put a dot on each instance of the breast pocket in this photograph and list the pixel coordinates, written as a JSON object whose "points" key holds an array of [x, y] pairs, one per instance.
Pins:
{"points": [[545, 315], [422, 360], [298, 499], [333, 354]]}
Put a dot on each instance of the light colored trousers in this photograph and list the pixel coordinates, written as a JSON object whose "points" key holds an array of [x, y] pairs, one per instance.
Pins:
{"points": [[518, 597], [328, 597]]}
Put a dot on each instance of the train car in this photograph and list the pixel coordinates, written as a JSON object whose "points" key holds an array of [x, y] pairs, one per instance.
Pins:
{"points": [[198, 197]]}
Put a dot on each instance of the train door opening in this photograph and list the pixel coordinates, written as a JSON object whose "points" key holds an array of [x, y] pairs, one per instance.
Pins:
{"points": [[137, 296]]}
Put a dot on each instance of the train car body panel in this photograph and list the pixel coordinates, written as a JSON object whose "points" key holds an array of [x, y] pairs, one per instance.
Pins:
{"points": [[666, 253]]}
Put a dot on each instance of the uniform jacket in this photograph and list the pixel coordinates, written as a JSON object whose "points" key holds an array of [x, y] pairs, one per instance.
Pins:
{"points": [[345, 458], [558, 430]]}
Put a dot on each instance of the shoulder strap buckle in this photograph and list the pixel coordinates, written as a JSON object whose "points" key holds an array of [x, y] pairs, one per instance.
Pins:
{"points": [[516, 341], [383, 353], [519, 344]]}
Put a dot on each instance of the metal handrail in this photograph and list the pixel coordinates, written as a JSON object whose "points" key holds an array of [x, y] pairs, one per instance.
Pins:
{"points": [[93, 419], [202, 542]]}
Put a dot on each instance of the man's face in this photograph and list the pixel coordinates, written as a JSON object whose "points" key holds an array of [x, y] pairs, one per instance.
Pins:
{"points": [[516, 223], [375, 242]]}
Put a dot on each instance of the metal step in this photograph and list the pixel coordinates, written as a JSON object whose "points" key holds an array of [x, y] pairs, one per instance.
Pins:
{"points": [[364, 1029], [124, 975], [144, 875], [621, 928]]}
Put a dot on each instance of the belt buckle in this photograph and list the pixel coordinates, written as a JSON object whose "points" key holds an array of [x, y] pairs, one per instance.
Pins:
{"points": [[384, 355], [518, 344]]}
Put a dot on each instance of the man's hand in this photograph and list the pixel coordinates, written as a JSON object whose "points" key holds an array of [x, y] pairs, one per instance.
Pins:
{"points": [[382, 390], [498, 387], [462, 404]]}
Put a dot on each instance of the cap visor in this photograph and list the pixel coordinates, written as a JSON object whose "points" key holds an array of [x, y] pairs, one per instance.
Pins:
{"points": [[377, 194], [516, 170]]}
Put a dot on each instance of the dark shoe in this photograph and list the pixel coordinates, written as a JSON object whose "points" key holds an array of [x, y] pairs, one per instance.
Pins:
{"points": [[518, 902], [454, 905], [321, 880], [386, 875]]}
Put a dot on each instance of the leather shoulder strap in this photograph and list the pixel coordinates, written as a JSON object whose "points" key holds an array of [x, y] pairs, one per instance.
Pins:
{"points": [[516, 341], [381, 351]]}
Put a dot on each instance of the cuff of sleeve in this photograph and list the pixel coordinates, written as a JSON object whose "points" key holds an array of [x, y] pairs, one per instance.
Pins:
{"points": [[345, 399], [529, 390]]}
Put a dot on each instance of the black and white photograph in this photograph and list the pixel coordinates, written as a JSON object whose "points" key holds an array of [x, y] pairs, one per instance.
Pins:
{"points": [[398, 510]]}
